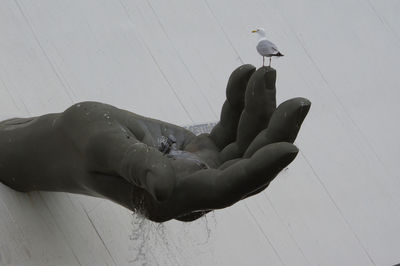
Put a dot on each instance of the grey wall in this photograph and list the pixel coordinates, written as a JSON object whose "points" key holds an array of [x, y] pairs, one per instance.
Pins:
{"points": [[337, 204]]}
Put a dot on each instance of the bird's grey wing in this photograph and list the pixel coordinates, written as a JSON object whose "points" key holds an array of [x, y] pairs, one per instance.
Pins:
{"points": [[265, 47]]}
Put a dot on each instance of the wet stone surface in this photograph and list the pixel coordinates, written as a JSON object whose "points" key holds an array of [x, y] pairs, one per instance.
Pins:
{"points": [[167, 145]]}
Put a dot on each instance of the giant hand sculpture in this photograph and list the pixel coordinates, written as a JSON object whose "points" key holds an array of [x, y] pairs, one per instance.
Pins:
{"points": [[158, 169]]}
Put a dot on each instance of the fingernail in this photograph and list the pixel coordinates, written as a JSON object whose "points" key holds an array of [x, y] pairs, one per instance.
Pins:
{"points": [[305, 106], [289, 155]]}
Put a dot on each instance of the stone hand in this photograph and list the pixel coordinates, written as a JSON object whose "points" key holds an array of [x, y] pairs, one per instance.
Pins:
{"points": [[158, 169]]}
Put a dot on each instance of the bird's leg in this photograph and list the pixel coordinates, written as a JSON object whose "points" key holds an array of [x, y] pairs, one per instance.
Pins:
{"points": [[263, 60], [270, 61]]}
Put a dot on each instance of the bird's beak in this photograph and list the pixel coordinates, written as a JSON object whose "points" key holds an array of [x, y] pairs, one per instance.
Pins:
{"points": [[254, 31]]}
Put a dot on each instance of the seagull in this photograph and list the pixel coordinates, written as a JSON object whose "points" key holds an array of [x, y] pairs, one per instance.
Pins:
{"points": [[265, 47]]}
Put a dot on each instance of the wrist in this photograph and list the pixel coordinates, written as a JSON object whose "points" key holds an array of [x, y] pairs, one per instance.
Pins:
{"points": [[29, 153]]}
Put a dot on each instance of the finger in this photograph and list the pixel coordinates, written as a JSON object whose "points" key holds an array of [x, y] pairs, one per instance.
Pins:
{"points": [[225, 131], [251, 174], [260, 103], [284, 125], [120, 153], [214, 189]]}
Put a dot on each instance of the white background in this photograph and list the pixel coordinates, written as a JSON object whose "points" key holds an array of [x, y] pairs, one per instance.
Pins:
{"points": [[337, 204]]}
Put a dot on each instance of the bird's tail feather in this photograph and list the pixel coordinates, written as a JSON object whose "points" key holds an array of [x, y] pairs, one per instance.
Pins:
{"points": [[279, 54]]}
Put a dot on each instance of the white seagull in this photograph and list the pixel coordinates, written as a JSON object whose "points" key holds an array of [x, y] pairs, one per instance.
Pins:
{"points": [[265, 47]]}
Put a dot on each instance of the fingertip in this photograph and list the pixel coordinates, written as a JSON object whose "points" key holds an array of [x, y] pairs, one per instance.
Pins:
{"points": [[261, 87], [274, 156], [298, 101], [305, 105], [267, 69], [237, 85], [268, 75], [304, 100], [242, 72], [290, 152], [297, 106], [245, 68], [284, 149], [287, 153]]}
